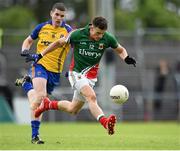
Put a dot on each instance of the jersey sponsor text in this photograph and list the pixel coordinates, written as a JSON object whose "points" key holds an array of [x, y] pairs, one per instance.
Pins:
{"points": [[88, 53]]}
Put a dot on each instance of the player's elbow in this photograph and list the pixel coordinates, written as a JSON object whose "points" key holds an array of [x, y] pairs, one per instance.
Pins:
{"points": [[91, 98]]}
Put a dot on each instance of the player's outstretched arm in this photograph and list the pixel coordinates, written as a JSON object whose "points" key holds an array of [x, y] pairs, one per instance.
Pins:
{"points": [[60, 42], [124, 55], [121, 51], [53, 46]]}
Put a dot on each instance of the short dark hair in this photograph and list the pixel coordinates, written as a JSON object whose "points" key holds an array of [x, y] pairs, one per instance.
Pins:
{"points": [[59, 6], [100, 22]]}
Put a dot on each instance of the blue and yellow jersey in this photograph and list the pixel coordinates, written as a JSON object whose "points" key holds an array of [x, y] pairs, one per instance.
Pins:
{"points": [[47, 34]]}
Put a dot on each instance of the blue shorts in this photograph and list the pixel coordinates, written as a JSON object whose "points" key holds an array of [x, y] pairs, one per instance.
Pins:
{"points": [[53, 79]]}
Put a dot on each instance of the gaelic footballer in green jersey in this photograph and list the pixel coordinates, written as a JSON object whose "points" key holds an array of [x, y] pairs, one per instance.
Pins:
{"points": [[88, 52], [89, 44]]}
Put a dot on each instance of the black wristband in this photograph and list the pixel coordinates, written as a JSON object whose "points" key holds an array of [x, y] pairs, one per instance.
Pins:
{"points": [[126, 58]]}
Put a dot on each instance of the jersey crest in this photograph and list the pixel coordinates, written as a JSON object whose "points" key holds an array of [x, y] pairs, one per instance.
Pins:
{"points": [[101, 46]]}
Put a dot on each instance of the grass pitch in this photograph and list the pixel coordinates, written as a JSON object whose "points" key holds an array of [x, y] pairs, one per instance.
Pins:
{"points": [[92, 136]]}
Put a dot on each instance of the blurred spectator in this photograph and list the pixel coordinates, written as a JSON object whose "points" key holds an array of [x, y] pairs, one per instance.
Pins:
{"points": [[177, 75], [5, 90], [160, 81], [177, 84]]}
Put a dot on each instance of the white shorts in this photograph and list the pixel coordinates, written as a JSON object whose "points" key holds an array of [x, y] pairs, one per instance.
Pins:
{"points": [[77, 81]]}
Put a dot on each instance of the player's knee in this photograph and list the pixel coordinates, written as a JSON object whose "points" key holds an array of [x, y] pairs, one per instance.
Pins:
{"points": [[34, 105], [40, 96], [91, 98]]}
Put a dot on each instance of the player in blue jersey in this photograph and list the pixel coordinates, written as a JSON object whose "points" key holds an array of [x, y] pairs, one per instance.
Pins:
{"points": [[45, 74]]}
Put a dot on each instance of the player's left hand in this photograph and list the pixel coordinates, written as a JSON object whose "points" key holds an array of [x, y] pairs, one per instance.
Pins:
{"points": [[33, 57], [130, 60]]}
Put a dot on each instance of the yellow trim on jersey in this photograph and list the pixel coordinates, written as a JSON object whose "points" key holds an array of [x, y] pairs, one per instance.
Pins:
{"points": [[33, 72]]}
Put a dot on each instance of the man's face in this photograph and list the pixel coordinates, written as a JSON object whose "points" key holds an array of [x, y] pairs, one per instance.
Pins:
{"points": [[96, 33], [57, 17]]}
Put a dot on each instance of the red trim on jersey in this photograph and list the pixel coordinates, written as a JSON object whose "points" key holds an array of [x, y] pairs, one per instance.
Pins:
{"points": [[72, 62], [92, 73]]}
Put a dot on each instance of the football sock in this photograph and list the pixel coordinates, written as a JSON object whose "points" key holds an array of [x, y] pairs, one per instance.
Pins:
{"points": [[35, 128], [102, 119], [27, 86], [53, 105]]}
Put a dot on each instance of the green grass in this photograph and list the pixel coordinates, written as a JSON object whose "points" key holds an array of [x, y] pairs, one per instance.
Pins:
{"points": [[90, 136]]}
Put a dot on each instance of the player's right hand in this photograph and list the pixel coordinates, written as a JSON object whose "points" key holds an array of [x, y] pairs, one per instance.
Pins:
{"points": [[33, 57], [130, 60]]}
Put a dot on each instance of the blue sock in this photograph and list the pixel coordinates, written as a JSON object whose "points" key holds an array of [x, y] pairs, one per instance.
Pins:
{"points": [[35, 128], [27, 86]]}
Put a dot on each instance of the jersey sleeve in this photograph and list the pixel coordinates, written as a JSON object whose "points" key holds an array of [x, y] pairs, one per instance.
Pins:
{"points": [[35, 32], [68, 28], [113, 43], [74, 35]]}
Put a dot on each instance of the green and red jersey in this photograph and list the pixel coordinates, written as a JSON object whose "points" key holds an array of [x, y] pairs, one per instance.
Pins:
{"points": [[87, 53]]}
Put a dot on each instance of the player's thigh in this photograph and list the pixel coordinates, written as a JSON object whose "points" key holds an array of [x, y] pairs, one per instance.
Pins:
{"points": [[88, 92], [78, 81], [83, 86], [53, 81], [39, 85], [39, 78]]}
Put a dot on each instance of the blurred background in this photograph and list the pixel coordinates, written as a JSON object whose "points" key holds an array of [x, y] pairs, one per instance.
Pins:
{"points": [[148, 29]]}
